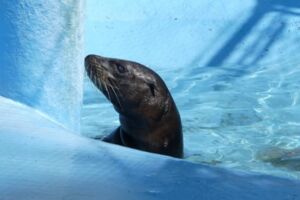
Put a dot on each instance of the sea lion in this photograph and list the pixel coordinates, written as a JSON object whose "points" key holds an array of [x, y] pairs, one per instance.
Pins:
{"points": [[149, 119]]}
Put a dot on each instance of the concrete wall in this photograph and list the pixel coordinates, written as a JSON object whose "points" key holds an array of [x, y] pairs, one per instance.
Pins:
{"points": [[41, 56]]}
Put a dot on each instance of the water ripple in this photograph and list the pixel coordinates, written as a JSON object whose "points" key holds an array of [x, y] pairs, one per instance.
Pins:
{"points": [[229, 115]]}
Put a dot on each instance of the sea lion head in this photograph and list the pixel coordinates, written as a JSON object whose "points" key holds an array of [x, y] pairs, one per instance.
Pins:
{"points": [[149, 119], [132, 88]]}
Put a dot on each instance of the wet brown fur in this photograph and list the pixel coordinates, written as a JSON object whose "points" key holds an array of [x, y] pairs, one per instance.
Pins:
{"points": [[148, 115]]}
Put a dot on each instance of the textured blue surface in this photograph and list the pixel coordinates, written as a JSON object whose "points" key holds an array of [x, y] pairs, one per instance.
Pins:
{"points": [[41, 56], [41, 160]]}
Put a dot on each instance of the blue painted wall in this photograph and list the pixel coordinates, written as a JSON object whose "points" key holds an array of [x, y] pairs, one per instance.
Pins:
{"points": [[41, 56], [175, 34]]}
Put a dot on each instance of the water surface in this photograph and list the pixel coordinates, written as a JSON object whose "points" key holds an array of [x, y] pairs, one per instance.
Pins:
{"points": [[238, 117]]}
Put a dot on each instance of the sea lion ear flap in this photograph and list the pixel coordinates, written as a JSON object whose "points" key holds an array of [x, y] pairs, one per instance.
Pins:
{"points": [[152, 88]]}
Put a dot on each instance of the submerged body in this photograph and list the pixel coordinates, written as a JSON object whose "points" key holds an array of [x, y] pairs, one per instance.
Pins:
{"points": [[149, 119]]}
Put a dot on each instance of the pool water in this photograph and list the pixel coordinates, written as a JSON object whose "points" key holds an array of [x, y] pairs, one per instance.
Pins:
{"points": [[241, 117]]}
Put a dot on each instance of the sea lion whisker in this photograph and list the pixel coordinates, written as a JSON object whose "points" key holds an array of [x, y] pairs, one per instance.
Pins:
{"points": [[113, 84], [117, 97], [116, 87], [96, 80], [99, 83], [107, 90]]}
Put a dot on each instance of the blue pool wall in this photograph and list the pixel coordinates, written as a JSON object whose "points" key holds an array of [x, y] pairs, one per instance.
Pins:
{"points": [[41, 45], [179, 34]]}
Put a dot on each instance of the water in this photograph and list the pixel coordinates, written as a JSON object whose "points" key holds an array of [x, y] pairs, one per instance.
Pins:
{"points": [[236, 116], [232, 70]]}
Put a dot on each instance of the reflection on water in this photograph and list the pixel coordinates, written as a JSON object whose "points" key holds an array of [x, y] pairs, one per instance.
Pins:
{"points": [[228, 118], [289, 159]]}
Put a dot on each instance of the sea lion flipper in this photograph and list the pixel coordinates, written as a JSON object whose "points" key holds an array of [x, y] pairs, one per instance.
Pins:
{"points": [[114, 137]]}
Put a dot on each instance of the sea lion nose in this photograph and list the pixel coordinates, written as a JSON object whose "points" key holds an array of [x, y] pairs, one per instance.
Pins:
{"points": [[89, 60], [92, 57]]}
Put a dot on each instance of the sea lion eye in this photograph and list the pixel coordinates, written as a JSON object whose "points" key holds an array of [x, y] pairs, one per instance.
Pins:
{"points": [[121, 68]]}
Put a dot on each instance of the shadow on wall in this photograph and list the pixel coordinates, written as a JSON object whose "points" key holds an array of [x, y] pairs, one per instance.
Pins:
{"points": [[264, 40]]}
